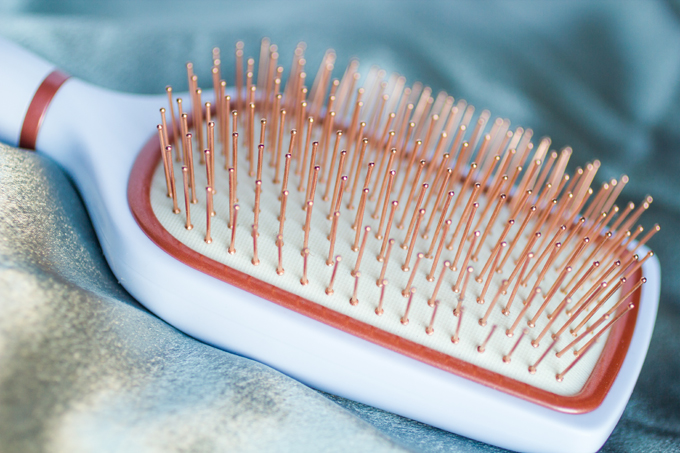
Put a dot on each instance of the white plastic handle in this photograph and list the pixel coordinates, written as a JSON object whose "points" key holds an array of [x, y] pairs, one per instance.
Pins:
{"points": [[21, 73]]}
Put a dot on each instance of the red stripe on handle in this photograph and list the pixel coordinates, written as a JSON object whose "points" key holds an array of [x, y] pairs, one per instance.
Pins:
{"points": [[38, 107]]}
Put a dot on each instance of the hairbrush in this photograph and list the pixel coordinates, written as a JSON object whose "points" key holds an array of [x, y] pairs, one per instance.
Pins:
{"points": [[364, 236]]}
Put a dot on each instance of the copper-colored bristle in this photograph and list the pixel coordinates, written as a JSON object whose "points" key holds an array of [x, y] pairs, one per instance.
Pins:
{"points": [[313, 180], [534, 367], [302, 167], [461, 297], [413, 189], [501, 290], [166, 164], [224, 120], [234, 159], [548, 297], [190, 169], [232, 196], [408, 287], [511, 299], [198, 113], [404, 319], [359, 218], [378, 234], [471, 204], [279, 142], [355, 175], [175, 124], [520, 316], [463, 238], [331, 164], [386, 259], [187, 204], [305, 255], [338, 180], [251, 136], [379, 310], [260, 157], [232, 243], [441, 222], [329, 288], [482, 347], [440, 194], [388, 228], [430, 328], [279, 246], [440, 280], [332, 237], [354, 300], [456, 286], [307, 225], [256, 208], [430, 276], [255, 260], [182, 130], [360, 255], [411, 232], [171, 174], [209, 215], [414, 237], [495, 255], [455, 339]]}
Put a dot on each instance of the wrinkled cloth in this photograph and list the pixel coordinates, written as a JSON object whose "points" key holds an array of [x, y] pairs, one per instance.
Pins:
{"points": [[84, 367]]}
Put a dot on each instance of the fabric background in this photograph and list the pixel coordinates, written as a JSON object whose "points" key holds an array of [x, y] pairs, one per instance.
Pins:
{"points": [[84, 367]]}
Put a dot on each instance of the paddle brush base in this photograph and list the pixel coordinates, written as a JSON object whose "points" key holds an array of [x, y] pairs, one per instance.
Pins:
{"points": [[337, 362]]}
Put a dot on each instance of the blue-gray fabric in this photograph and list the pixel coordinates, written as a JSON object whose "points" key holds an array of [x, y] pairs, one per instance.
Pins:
{"points": [[83, 367]]}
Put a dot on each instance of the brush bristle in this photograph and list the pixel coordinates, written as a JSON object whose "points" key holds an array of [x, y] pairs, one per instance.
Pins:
{"points": [[477, 213]]}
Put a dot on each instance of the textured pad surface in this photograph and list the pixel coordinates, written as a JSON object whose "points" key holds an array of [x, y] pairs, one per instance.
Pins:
{"points": [[471, 334]]}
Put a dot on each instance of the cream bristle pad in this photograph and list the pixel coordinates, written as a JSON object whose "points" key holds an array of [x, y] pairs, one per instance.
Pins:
{"points": [[472, 334]]}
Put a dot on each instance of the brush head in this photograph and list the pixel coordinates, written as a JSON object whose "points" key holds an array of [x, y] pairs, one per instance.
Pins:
{"points": [[405, 220]]}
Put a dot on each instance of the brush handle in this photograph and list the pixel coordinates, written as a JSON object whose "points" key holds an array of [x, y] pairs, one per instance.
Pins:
{"points": [[22, 75], [93, 133]]}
